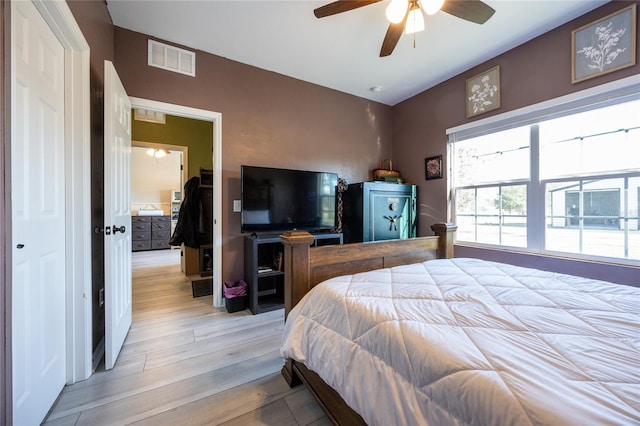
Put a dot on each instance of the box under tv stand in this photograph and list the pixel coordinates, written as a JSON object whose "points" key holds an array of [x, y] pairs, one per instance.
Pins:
{"points": [[264, 268]]}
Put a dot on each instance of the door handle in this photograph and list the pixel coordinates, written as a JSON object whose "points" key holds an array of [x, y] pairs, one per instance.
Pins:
{"points": [[116, 229]]}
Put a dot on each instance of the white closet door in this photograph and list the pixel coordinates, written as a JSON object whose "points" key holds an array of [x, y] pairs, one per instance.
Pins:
{"points": [[38, 215]]}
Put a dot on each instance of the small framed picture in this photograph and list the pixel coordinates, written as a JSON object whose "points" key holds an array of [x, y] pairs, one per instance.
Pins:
{"points": [[604, 46], [433, 167], [483, 92]]}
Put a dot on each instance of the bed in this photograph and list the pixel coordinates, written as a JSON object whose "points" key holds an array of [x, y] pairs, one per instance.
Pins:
{"points": [[400, 332]]}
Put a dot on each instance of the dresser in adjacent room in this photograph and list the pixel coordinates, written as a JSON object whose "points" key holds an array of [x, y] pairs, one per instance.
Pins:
{"points": [[150, 232]]}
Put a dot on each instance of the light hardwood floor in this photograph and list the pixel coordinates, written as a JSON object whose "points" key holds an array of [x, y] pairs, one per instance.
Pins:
{"points": [[187, 363]]}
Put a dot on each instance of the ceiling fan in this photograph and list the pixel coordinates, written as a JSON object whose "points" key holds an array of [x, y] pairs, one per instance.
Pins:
{"points": [[406, 15]]}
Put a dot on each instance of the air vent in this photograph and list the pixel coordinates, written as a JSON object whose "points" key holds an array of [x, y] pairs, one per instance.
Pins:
{"points": [[171, 58], [149, 116]]}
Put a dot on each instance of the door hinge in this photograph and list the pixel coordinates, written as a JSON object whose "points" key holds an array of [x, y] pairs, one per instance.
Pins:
{"points": [[101, 297]]}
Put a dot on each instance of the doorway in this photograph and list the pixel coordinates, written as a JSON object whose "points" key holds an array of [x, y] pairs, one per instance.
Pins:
{"points": [[158, 174], [155, 177], [152, 181], [216, 119]]}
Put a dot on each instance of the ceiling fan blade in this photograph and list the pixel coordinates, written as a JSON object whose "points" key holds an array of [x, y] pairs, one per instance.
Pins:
{"points": [[392, 36], [469, 10], [341, 6]]}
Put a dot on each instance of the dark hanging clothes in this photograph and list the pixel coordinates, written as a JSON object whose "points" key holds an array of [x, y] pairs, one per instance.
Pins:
{"points": [[188, 226]]}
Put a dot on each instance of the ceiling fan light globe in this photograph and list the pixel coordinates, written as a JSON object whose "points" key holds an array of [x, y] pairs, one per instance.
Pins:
{"points": [[431, 7], [415, 22], [396, 10]]}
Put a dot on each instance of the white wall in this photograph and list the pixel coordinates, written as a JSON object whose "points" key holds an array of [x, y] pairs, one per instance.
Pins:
{"points": [[152, 179]]}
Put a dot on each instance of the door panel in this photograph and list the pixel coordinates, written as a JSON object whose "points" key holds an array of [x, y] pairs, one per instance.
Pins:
{"points": [[38, 215], [117, 214], [390, 215]]}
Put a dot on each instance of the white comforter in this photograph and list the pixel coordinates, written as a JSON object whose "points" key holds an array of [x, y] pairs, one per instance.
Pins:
{"points": [[464, 341]]}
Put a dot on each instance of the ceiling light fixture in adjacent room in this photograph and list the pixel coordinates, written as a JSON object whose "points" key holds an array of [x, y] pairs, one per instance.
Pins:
{"points": [[157, 153]]}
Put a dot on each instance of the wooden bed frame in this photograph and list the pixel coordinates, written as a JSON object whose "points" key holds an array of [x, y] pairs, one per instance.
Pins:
{"points": [[307, 266]]}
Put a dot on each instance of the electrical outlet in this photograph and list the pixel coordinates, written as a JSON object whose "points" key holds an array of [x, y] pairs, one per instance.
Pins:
{"points": [[237, 206]]}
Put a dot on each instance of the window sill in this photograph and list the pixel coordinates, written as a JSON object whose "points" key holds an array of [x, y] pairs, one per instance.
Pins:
{"points": [[575, 257]]}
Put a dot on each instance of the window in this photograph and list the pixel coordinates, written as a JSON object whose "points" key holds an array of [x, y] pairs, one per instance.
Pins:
{"points": [[594, 216], [491, 173], [568, 183], [493, 214]]}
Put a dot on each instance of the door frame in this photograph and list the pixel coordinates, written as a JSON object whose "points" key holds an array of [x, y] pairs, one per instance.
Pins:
{"points": [[77, 150], [216, 119], [77, 192]]}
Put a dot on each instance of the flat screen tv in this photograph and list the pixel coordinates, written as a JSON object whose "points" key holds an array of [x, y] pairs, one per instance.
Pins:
{"points": [[275, 200]]}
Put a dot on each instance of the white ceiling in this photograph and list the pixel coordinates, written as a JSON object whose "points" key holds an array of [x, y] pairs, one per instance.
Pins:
{"points": [[341, 51]]}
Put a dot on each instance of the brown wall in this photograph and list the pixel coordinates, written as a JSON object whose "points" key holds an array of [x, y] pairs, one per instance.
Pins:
{"points": [[267, 119], [95, 22], [536, 71]]}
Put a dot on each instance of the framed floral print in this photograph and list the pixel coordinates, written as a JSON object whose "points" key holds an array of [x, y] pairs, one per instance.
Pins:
{"points": [[604, 46], [483, 92], [433, 167]]}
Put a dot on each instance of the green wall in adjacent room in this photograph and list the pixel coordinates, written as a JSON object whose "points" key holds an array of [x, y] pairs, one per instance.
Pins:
{"points": [[195, 134]]}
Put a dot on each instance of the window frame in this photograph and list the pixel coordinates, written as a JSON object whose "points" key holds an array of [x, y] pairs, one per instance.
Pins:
{"points": [[582, 215], [499, 186], [616, 92]]}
